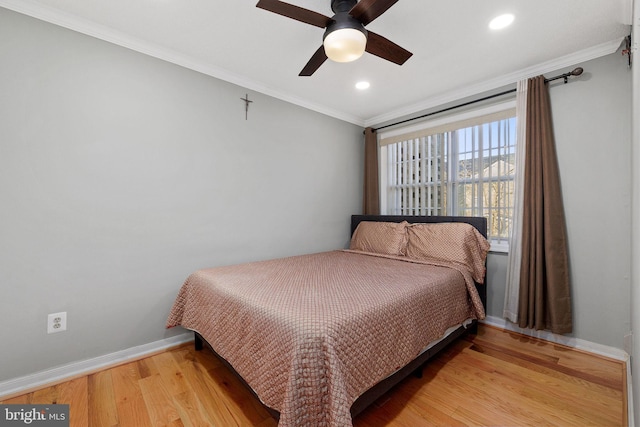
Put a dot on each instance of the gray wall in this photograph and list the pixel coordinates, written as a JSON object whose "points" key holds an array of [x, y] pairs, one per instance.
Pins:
{"points": [[592, 123], [121, 174]]}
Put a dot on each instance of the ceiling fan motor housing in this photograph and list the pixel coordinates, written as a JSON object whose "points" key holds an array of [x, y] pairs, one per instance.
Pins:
{"points": [[339, 6], [341, 21]]}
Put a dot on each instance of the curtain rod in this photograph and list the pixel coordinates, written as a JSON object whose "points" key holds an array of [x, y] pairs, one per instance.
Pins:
{"points": [[565, 76]]}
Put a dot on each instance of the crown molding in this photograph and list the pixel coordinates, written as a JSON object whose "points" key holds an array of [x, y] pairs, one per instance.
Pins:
{"points": [[93, 29], [499, 82], [99, 31]]}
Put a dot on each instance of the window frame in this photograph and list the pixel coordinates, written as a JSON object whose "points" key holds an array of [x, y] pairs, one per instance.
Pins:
{"points": [[439, 125]]}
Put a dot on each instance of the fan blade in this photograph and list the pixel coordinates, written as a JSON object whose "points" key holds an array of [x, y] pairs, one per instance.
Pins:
{"points": [[295, 12], [314, 63], [366, 11], [386, 49]]}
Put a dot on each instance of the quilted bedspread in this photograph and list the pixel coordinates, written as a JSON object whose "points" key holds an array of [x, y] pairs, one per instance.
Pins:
{"points": [[311, 333]]}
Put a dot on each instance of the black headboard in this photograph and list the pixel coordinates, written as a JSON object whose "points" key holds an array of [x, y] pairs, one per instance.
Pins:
{"points": [[478, 222]]}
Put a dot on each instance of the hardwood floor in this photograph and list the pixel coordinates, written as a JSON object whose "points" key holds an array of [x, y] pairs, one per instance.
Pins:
{"points": [[494, 378], [507, 379]]}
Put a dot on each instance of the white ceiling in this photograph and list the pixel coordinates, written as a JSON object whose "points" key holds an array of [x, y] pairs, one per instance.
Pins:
{"points": [[455, 54]]}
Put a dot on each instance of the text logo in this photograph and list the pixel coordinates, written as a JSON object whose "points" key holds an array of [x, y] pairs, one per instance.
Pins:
{"points": [[34, 415]]}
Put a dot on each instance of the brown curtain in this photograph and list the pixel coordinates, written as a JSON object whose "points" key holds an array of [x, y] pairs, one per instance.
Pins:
{"points": [[545, 295], [371, 193]]}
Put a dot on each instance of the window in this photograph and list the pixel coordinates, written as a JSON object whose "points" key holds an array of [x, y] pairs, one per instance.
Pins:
{"points": [[464, 165]]}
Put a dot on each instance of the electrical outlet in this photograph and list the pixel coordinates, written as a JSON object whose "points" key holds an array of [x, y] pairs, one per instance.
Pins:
{"points": [[57, 322]]}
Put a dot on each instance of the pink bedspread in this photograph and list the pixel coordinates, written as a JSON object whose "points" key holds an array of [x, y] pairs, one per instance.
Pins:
{"points": [[311, 333]]}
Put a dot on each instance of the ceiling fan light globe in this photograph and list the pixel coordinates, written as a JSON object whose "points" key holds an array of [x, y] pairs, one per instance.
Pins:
{"points": [[345, 44]]}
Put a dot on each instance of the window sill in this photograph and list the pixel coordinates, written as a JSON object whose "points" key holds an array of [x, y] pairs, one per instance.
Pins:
{"points": [[499, 247]]}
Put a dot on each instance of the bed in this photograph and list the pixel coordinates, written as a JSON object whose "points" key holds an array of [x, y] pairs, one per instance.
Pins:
{"points": [[319, 337]]}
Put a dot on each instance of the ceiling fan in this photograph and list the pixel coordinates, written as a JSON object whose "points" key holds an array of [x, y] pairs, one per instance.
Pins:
{"points": [[345, 38]]}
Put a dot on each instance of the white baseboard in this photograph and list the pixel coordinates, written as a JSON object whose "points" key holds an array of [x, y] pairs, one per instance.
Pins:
{"points": [[20, 385], [577, 343]]}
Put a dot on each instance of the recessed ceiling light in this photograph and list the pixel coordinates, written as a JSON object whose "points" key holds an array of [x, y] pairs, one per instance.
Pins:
{"points": [[502, 21], [362, 85]]}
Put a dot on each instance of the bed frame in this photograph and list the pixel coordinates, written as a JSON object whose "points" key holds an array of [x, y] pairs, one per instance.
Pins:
{"points": [[415, 366]]}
